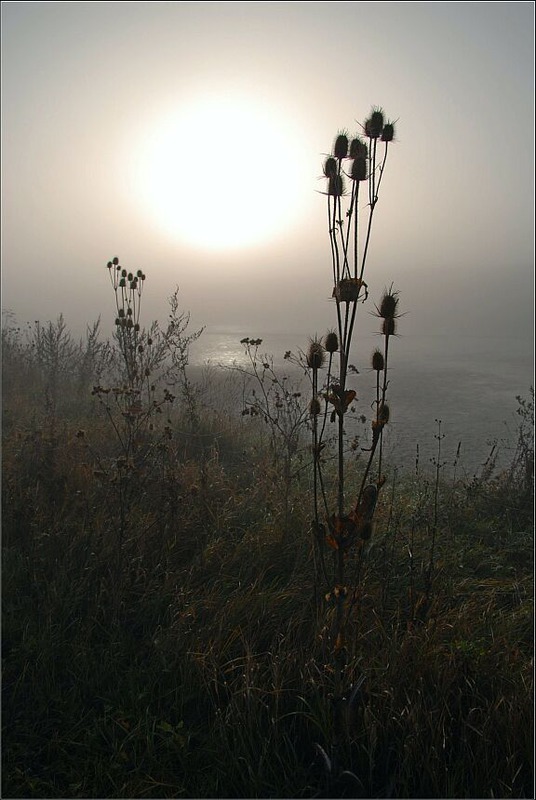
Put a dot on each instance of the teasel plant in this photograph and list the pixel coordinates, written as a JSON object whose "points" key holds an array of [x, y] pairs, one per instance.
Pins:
{"points": [[137, 404], [354, 173]]}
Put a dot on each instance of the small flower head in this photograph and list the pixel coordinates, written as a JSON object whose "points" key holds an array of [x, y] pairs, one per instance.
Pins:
{"points": [[365, 530], [383, 414], [330, 167], [389, 304], [315, 354], [331, 342], [336, 186], [388, 132], [314, 407], [377, 361], [358, 148], [340, 148], [359, 169], [374, 124]]}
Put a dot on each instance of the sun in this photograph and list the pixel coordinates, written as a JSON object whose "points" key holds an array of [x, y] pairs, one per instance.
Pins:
{"points": [[222, 172]]}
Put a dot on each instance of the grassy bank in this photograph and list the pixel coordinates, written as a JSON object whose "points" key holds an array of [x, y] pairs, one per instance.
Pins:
{"points": [[165, 633]]}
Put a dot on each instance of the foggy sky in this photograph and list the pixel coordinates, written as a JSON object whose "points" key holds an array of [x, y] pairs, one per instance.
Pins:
{"points": [[454, 224]]}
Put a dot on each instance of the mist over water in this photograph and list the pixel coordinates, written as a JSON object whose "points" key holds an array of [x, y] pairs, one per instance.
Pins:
{"points": [[469, 383]]}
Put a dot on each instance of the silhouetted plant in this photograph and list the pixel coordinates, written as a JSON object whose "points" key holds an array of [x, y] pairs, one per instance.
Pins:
{"points": [[138, 408], [270, 396], [340, 523]]}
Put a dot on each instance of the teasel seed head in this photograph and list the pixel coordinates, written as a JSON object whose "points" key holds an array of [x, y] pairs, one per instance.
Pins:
{"points": [[115, 261], [388, 132], [359, 169], [383, 414], [315, 355], [358, 148], [389, 304], [365, 530], [389, 326], [336, 186], [331, 342], [314, 407], [340, 148], [377, 361], [330, 167], [374, 124], [124, 273]]}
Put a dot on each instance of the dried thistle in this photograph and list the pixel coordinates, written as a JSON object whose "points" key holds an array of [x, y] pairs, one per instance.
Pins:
{"points": [[378, 361], [331, 342], [315, 355], [340, 148], [374, 124]]}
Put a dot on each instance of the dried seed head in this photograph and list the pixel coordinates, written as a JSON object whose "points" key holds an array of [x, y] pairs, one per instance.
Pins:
{"points": [[123, 273], [359, 169], [330, 167], [315, 355], [365, 530], [388, 304], [347, 290], [377, 361], [389, 326], [374, 124], [314, 407], [388, 132], [358, 148], [336, 186], [383, 414], [115, 261], [331, 342], [340, 148]]}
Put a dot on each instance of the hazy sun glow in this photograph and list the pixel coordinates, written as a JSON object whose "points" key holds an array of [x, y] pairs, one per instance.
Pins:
{"points": [[222, 173]]}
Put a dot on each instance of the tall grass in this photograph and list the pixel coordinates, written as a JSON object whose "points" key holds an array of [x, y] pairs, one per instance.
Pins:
{"points": [[205, 671]]}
